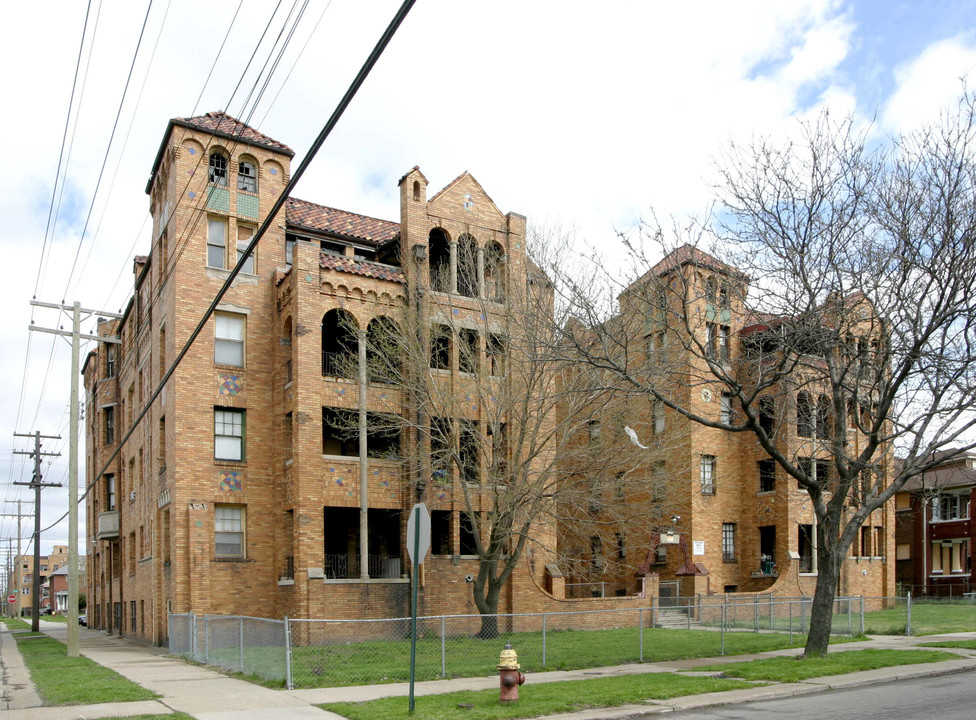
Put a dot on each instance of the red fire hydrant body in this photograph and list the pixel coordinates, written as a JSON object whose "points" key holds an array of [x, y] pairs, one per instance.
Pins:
{"points": [[508, 674]]}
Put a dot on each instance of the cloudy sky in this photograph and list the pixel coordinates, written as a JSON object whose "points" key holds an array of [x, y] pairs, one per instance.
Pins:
{"points": [[582, 118]]}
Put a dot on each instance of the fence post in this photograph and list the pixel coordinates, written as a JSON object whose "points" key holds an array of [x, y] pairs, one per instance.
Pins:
{"points": [[443, 646], [206, 639], [908, 616], [755, 612], [543, 641], [803, 616], [289, 681], [725, 616], [850, 627], [194, 640], [862, 615], [640, 625], [240, 639], [791, 622]]}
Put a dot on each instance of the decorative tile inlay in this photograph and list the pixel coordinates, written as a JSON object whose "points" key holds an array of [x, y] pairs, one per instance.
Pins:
{"points": [[230, 384], [230, 481], [468, 202], [192, 151]]}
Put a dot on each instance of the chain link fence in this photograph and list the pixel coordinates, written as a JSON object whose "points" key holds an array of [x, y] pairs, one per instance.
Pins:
{"points": [[302, 653]]}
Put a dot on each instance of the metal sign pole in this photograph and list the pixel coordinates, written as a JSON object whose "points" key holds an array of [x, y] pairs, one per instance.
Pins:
{"points": [[413, 605]]}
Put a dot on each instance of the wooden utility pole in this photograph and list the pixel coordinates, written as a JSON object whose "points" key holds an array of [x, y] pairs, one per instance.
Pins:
{"points": [[37, 485], [76, 337], [19, 515]]}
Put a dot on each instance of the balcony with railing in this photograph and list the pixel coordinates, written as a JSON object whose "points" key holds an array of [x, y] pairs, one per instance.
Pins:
{"points": [[338, 567]]}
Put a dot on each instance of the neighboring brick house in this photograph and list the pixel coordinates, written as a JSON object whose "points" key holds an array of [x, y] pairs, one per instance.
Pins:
{"points": [[24, 575], [742, 524], [936, 528]]}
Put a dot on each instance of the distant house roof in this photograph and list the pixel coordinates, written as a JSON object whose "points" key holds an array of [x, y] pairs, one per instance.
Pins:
{"points": [[958, 471], [360, 267], [221, 125], [304, 215]]}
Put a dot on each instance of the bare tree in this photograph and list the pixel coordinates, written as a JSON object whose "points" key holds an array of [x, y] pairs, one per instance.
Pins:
{"points": [[495, 417], [836, 312]]}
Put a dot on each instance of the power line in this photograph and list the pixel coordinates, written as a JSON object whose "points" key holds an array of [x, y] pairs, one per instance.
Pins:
{"points": [[115, 125], [324, 133]]}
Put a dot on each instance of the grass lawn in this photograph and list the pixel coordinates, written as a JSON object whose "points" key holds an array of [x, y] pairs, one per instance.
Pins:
{"points": [[928, 618], [536, 700], [964, 644], [790, 669], [61, 680], [388, 661]]}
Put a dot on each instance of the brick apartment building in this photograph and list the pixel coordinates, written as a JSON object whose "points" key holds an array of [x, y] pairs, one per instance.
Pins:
{"points": [[242, 490], [936, 530], [23, 579], [741, 524]]}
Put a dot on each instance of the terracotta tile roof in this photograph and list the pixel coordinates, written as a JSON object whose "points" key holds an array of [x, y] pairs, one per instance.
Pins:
{"points": [[360, 267], [223, 125], [321, 219]]}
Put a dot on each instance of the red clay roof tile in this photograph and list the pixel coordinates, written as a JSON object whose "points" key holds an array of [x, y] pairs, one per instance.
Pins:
{"points": [[322, 219]]}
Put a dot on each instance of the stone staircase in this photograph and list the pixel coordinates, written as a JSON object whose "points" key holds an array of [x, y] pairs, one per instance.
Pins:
{"points": [[674, 618]]}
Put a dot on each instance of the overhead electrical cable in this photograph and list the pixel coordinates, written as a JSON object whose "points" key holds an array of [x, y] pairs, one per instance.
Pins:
{"points": [[108, 147], [269, 219]]}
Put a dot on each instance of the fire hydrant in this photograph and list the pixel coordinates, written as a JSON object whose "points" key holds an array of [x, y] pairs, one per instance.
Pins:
{"points": [[509, 676]]}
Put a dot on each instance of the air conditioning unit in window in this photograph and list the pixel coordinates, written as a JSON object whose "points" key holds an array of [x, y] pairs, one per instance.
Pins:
{"points": [[132, 494]]}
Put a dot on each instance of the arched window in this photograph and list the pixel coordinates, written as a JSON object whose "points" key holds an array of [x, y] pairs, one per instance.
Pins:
{"points": [[247, 176], [383, 350], [439, 260], [804, 415], [416, 190], [340, 344], [823, 417], [494, 273], [467, 267], [217, 174]]}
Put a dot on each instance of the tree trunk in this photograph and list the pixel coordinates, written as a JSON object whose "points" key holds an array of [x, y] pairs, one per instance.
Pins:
{"points": [[822, 612], [486, 600]]}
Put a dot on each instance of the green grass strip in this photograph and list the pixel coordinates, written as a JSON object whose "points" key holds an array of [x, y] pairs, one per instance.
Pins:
{"points": [[384, 661], [543, 699], [795, 669], [963, 644], [61, 680], [928, 618]]}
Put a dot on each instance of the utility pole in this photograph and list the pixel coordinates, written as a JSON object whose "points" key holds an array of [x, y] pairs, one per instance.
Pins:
{"points": [[13, 576], [76, 337], [37, 485]]}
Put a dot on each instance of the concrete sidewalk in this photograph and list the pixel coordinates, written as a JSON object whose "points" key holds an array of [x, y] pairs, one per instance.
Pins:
{"points": [[208, 695]]}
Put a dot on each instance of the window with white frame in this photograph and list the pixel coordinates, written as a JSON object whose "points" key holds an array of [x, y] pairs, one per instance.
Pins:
{"points": [[658, 412], [726, 408], [228, 434], [216, 243], [229, 531], [247, 176], [229, 339], [708, 474], [244, 235], [949, 506]]}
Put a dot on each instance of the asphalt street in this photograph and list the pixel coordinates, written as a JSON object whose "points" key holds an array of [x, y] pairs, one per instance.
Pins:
{"points": [[949, 697]]}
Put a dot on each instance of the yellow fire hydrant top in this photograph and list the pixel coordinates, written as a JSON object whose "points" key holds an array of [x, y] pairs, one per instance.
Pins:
{"points": [[508, 660]]}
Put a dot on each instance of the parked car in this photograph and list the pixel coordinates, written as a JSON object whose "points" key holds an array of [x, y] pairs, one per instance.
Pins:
{"points": [[83, 620]]}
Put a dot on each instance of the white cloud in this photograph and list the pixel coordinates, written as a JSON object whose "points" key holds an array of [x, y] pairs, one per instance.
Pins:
{"points": [[929, 83]]}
